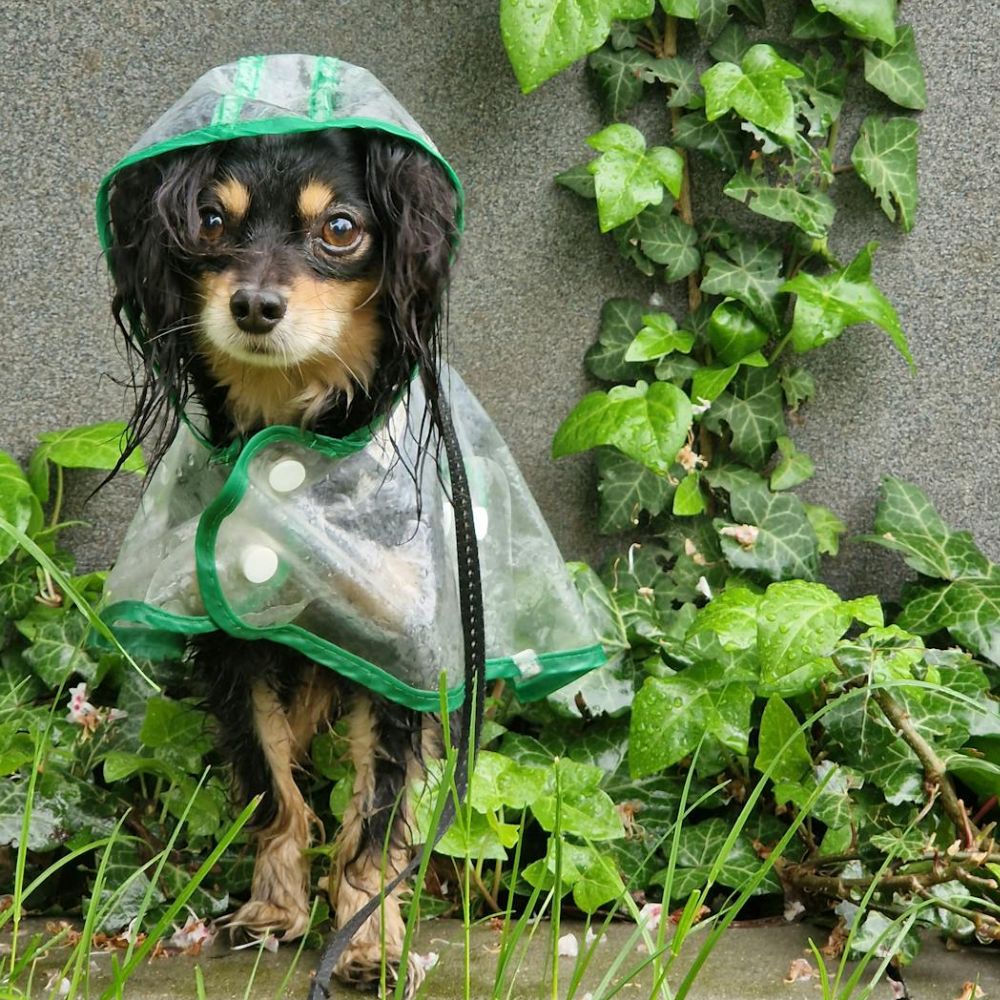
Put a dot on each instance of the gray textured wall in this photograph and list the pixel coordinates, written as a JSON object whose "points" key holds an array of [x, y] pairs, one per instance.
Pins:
{"points": [[79, 82]]}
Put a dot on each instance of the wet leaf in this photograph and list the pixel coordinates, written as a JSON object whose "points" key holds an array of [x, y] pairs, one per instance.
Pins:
{"points": [[885, 157], [869, 18], [782, 746], [658, 336], [647, 423], [827, 305], [543, 37], [619, 77], [628, 177], [812, 211], [755, 89], [754, 410]]}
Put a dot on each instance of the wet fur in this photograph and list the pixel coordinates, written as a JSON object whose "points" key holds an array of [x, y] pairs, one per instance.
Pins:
{"points": [[270, 700]]}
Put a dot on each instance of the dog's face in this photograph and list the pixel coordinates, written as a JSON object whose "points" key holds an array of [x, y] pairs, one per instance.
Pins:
{"points": [[289, 251], [273, 277]]}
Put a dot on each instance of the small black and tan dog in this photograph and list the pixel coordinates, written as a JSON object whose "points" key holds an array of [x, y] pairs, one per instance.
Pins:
{"points": [[291, 279]]}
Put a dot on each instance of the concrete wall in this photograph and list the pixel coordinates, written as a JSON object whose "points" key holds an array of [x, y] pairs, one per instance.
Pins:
{"points": [[79, 82]]}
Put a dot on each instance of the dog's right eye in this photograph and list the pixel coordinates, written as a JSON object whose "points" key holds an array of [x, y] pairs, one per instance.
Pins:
{"points": [[212, 224]]}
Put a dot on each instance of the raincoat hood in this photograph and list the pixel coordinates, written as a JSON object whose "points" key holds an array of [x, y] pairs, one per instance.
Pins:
{"points": [[319, 543], [274, 95]]}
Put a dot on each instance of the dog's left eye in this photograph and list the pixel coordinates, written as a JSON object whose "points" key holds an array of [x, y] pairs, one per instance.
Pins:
{"points": [[212, 224], [341, 233]]}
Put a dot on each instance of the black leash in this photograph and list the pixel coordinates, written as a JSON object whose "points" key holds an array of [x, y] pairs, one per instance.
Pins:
{"points": [[470, 590]]}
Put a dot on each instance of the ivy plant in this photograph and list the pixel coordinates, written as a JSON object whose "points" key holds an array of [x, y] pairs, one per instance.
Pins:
{"points": [[731, 663]]}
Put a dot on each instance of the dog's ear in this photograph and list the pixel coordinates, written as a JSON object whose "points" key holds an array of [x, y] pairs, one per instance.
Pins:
{"points": [[154, 216], [414, 205]]}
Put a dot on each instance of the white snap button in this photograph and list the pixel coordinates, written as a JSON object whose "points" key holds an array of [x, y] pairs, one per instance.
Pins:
{"points": [[286, 475], [481, 520], [259, 563]]}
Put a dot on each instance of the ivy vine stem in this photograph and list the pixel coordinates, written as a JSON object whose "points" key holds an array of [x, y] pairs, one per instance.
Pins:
{"points": [[934, 768]]}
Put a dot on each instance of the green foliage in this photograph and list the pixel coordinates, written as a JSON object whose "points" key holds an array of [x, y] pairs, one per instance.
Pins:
{"points": [[747, 673]]}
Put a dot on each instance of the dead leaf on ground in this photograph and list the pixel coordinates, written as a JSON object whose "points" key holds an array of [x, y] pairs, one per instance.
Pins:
{"points": [[800, 968], [970, 991]]}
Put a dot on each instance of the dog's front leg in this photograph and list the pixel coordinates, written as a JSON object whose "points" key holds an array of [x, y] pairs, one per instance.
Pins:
{"points": [[279, 896], [374, 841]]}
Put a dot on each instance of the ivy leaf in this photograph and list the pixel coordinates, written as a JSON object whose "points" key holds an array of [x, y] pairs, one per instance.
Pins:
{"points": [[625, 34], [906, 522], [810, 25], [710, 381], [15, 501], [625, 489], [653, 743], [621, 320], [18, 587], [784, 544], [628, 177], [96, 446], [579, 180], [734, 333], [828, 528], [647, 423], [811, 211], [721, 140], [731, 617], [869, 18], [666, 239], [731, 44], [793, 467], [755, 90], [688, 500], [820, 93], [681, 75], [584, 809], [896, 71], [885, 157], [681, 8], [56, 650], [750, 272], [619, 78], [827, 304], [799, 624], [798, 387], [968, 608], [543, 37], [713, 16], [754, 410], [659, 336], [778, 727], [699, 847]]}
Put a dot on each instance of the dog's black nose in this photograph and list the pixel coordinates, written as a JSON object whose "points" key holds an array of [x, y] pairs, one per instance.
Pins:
{"points": [[257, 310]]}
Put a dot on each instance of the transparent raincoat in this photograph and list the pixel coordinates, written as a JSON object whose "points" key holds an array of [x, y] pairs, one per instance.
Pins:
{"points": [[313, 541]]}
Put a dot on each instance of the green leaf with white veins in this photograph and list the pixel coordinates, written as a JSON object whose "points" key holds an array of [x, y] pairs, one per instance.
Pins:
{"points": [[721, 140], [770, 533], [681, 74], [755, 90], [659, 336], [906, 522], [666, 239], [647, 423], [625, 489], [754, 409], [896, 71], [811, 211], [56, 650], [793, 467], [619, 77], [669, 718], [827, 305], [621, 320], [750, 272], [543, 37], [628, 177], [869, 18], [799, 624], [885, 157]]}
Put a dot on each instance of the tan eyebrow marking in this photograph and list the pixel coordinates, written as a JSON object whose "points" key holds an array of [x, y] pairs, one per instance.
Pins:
{"points": [[234, 198], [314, 198]]}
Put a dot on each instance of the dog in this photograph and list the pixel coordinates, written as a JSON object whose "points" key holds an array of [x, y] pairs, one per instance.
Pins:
{"points": [[291, 279]]}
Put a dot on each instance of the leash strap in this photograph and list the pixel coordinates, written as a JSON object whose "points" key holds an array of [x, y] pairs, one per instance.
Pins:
{"points": [[470, 589]]}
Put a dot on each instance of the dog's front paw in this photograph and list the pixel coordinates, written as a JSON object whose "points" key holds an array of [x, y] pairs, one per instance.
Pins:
{"points": [[360, 966], [260, 917]]}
